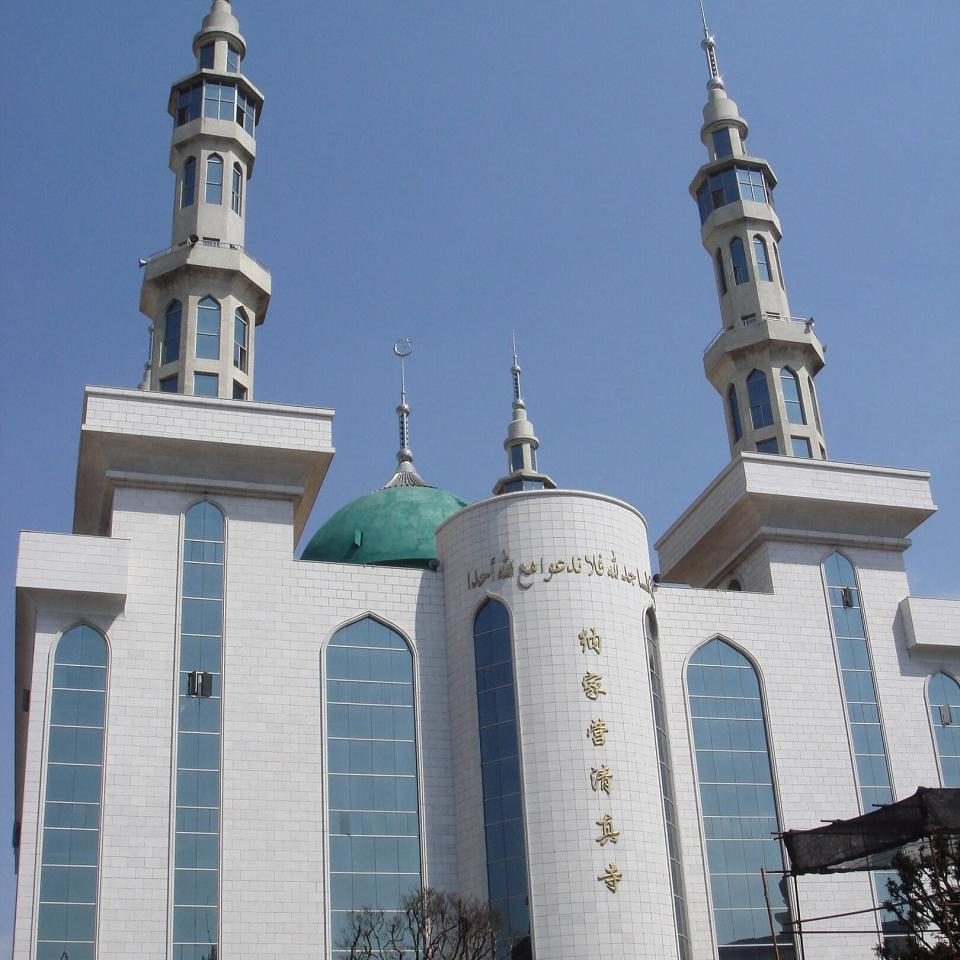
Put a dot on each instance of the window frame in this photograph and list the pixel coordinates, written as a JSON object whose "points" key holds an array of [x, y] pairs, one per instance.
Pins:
{"points": [[738, 259], [761, 256], [174, 310], [761, 408], [241, 349], [213, 187], [188, 183], [236, 190]]}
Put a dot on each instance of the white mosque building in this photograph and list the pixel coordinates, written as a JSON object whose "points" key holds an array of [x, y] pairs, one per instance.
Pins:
{"points": [[224, 744]]}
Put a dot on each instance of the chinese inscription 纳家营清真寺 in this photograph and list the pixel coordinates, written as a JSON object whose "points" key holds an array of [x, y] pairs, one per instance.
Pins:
{"points": [[611, 878], [597, 731], [592, 685], [607, 833], [594, 565], [601, 779], [590, 640]]}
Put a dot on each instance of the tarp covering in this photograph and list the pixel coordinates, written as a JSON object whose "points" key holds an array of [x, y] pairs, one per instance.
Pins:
{"points": [[871, 841]]}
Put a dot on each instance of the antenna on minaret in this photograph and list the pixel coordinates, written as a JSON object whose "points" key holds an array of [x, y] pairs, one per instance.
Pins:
{"points": [[515, 370], [709, 45], [406, 474]]}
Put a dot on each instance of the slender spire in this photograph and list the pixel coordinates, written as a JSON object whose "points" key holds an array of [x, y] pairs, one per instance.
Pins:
{"points": [[521, 444], [709, 45], [406, 474]]}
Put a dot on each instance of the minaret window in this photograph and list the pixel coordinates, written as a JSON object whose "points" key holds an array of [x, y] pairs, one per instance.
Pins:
{"points": [[206, 56], [218, 100], [944, 697], [721, 273], [734, 413], [752, 185], [758, 393], [170, 349], [208, 329], [816, 408], [801, 447], [738, 256], [188, 186], [188, 104], [205, 384], [722, 146], [214, 191], [790, 385], [169, 384], [236, 198], [516, 458], [233, 59], [738, 803], [762, 257], [241, 330], [246, 113], [769, 445], [776, 256]]}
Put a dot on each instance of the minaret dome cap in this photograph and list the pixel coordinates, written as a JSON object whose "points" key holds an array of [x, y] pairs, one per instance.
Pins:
{"points": [[220, 22], [720, 110]]}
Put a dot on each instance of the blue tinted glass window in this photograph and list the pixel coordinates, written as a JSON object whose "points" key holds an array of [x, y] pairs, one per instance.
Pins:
{"points": [[758, 393], [188, 104], [372, 772], [769, 445], [516, 458], [71, 836], [703, 202], [944, 696], [169, 384], [219, 100], [738, 803], [738, 256], [208, 329], [206, 56], [801, 447], [790, 385], [188, 189], [500, 764], [233, 59], [734, 408], [236, 201], [172, 321], [722, 147], [752, 185], [721, 273], [241, 330], [200, 686], [214, 186], [762, 257], [246, 113]]}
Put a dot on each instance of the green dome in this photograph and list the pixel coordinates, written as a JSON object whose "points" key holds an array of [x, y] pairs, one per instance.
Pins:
{"points": [[393, 526]]}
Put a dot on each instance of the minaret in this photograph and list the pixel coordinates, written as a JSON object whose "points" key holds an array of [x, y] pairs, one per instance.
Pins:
{"points": [[764, 360], [521, 445], [205, 295], [406, 473]]}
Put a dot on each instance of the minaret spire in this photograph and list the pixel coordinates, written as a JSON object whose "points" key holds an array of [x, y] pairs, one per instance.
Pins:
{"points": [[406, 474], [709, 45], [521, 444], [764, 360]]}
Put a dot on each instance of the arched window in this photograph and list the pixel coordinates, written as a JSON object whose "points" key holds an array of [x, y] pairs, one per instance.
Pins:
{"points": [[816, 407], [236, 201], [208, 329], [72, 810], [734, 585], [372, 772], [737, 802], [762, 257], [241, 331], [666, 784], [500, 764], [734, 407], [188, 185], [200, 685], [214, 191], [738, 256], [776, 255], [721, 273], [790, 385], [944, 694], [170, 348], [758, 393]]}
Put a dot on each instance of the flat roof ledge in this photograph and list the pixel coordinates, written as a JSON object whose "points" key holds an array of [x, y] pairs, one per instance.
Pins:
{"points": [[758, 495]]}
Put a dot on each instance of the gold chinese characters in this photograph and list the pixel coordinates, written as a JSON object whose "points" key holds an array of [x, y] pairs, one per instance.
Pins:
{"points": [[597, 733], [607, 834], [591, 684], [611, 879]]}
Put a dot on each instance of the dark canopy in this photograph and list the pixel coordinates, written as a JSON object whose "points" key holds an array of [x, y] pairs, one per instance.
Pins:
{"points": [[871, 841]]}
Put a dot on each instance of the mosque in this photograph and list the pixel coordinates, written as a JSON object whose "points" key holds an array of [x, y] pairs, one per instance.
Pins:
{"points": [[223, 746]]}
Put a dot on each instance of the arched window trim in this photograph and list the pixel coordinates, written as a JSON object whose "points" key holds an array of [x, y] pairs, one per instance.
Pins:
{"points": [[739, 261], [189, 164], [763, 266], [45, 761], [767, 403], [733, 408], [236, 190], [721, 272], [209, 298], [771, 751], [164, 340], [241, 352], [933, 730], [873, 670], [212, 187], [813, 402], [787, 372]]}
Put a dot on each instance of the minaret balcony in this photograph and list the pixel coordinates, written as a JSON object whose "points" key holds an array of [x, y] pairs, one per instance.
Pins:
{"points": [[764, 331]]}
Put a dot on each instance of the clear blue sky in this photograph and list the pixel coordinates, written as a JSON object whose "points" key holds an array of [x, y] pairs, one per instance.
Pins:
{"points": [[449, 171]]}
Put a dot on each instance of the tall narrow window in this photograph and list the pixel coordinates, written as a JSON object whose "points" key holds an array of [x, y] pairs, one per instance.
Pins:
{"points": [[188, 187], [738, 256], [944, 696], [722, 146], [189, 102], [860, 696], [503, 815], [762, 256], [71, 819], [816, 407], [200, 684], [208, 329], [241, 331], [233, 59], [206, 56], [758, 392], [372, 773], [666, 785], [790, 385], [734, 406], [721, 273], [246, 113], [776, 256], [236, 194], [172, 320], [214, 191], [738, 803]]}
